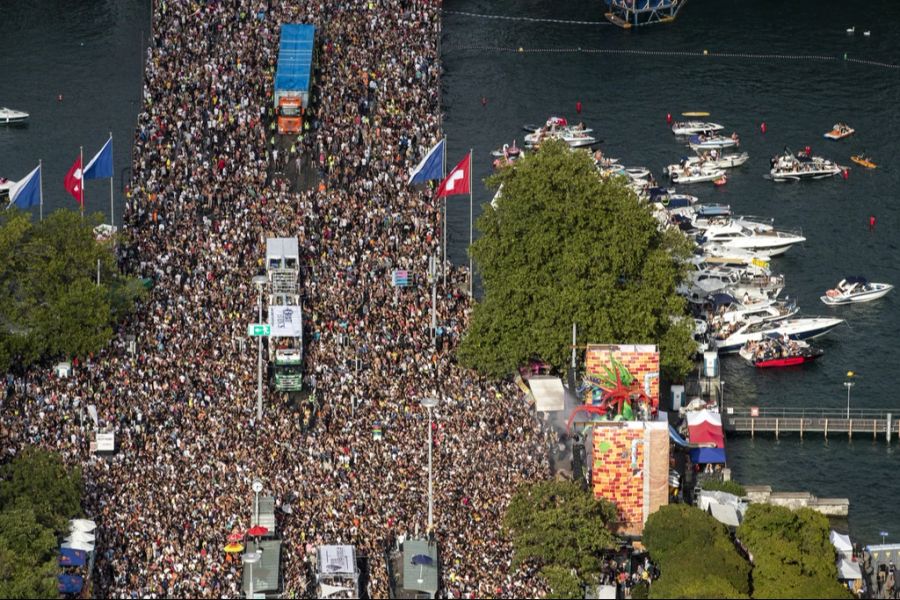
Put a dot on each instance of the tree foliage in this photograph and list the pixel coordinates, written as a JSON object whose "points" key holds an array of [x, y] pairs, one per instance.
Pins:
{"points": [[38, 495], [563, 247], [729, 487], [695, 555], [561, 527], [50, 305], [792, 553]]}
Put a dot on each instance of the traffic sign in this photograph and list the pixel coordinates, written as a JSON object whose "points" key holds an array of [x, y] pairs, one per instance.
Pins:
{"points": [[259, 330]]}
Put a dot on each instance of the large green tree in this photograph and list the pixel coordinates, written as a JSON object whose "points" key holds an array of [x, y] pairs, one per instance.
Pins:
{"points": [[565, 246], [695, 555], [50, 304], [38, 495], [792, 553], [563, 528]]}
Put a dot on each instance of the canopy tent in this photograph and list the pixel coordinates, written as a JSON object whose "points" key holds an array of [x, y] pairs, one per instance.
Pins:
{"points": [[704, 456], [841, 542], [700, 416], [676, 437], [724, 507], [85, 525], [70, 584], [848, 569], [726, 514], [707, 433], [78, 545], [548, 392], [69, 557], [81, 536]]}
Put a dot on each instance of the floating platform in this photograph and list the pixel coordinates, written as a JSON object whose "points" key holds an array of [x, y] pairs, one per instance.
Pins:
{"points": [[636, 13]]}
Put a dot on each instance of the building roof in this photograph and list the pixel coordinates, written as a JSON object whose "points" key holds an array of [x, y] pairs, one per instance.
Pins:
{"points": [[266, 575], [418, 575]]}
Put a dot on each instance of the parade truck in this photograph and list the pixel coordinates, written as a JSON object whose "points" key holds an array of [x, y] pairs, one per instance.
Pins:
{"points": [[293, 76], [285, 314]]}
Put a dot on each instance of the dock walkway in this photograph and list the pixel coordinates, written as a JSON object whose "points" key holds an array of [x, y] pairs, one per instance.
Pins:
{"points": [[860, 421]]}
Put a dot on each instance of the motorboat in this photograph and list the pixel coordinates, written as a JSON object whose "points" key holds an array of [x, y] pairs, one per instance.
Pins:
{"points": [[749, 283], [9, 116], [696, 174], [775, 351], [551, 122], [852, 290], [863, 161], [733, 337], [765, 243], [789, 167], [6, 186], [710, 142], [840, 131], [711, 159], [669, 199], [575, 138], [635, 173], [695, 127]]}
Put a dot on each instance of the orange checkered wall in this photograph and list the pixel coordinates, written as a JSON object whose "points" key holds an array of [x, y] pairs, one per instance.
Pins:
{"points": [[639, 360]]}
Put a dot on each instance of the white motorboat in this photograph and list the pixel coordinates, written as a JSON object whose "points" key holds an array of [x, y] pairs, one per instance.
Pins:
{"points": [[552, 122], [696, 174], [708, 159], [695, 127], [575, 138], [789, 167], [6, 186], [852, 290], [495, 200], [765, 310], [748, 283], [733, 337], [635, 173], [710, 142], [9, 116], [766, 243]]}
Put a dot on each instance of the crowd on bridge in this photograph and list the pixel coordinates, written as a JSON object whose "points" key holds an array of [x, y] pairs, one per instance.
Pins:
{"points": [[177, 383]]}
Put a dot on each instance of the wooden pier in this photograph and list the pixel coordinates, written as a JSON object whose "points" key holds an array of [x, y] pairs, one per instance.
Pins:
{"points": [[860, 422]]}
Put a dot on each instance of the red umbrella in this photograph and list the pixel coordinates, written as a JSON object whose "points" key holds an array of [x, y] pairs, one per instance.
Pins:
{"points": [[236, 537], [258, 531]]}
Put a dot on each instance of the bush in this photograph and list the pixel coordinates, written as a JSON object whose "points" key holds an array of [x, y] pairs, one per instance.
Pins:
{"points": [[730, 487]]}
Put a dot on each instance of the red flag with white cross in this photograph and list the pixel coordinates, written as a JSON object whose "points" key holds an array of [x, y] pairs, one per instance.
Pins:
{"points": [[458, 180]]}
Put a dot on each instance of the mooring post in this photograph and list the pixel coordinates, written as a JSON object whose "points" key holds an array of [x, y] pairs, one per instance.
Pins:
{"points": [[826, 428], [888, 429], [874, 428], [752, 428], [850, 429], [776, 428], [801, 428]]}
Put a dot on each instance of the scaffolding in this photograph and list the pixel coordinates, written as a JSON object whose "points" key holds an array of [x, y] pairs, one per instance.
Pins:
{"points": [[635, 13]]}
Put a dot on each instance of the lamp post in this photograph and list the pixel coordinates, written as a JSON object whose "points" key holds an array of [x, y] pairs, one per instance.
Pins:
{"points": [[429, 403], [259, 281], [257, 488], [848, 385], [250, 558]]}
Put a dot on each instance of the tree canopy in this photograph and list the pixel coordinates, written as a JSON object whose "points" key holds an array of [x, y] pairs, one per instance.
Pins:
{"points": [[50, 304], [565, 246], [695, 555], [560, 527], [792, 553], [38, 495]]}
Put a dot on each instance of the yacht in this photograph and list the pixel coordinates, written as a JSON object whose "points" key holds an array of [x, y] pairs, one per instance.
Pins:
{"points": [[788, 167], [710, 142], [706, 159], [852, 290], [695, 127], [696, 174], [733, 337], [8, 116], [748, 283], [766, 243]]}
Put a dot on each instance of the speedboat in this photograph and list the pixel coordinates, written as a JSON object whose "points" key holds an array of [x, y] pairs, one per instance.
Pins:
{"points": [[707, 159], [8, 116], [750, 282], [765, 243], [696, 174], [789, 167], [575, 138], [694, 127], [863, 161], [840, 131], [775, 351], [852, 290], [732, 338], [6, 186], [710, 142], [551, 122]]}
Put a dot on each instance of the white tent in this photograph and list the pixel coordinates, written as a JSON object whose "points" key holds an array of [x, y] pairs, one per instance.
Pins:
{"points": [[848, 569], [85, 525], [695, 418], [77, 545], [841, 542], [80, 536], [548, 393]]}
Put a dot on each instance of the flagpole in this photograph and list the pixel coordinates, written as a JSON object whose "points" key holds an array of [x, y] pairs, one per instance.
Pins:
{"points": [[444, 176], [112, 214], [471, 272], [41, 167], [81, 167]]}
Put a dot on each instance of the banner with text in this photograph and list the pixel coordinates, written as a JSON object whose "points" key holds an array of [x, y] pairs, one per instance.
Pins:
{"points": [[286, 321]]}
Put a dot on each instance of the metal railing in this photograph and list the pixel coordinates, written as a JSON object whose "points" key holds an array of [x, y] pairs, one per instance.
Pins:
{"points": [[732, 412]]}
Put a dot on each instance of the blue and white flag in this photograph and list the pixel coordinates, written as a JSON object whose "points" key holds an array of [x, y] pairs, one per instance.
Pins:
{"points": [[27, 192], [431, 167], [101, 166]]}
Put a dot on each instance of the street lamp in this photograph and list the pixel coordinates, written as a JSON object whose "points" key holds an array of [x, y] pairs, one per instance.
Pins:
{"points": [[259, 281], [848, 385], [429, 403], [257, 487], [250, 558]]}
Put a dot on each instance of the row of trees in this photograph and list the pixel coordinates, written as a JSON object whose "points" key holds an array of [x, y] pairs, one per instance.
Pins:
{"points": [[38, 496], [565, 246], [50, 303]]}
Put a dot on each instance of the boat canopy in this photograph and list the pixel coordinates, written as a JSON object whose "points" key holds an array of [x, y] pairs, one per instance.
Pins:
{"points": [[856, 279], [722, 299], [713, 210]]}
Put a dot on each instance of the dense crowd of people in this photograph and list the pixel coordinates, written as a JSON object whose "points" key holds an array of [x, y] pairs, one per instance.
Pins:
{"points": [[177, 383]]}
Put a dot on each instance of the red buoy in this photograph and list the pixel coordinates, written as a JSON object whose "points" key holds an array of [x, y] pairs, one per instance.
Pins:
{"points": [[578, 107], [808, 151], [763, 127], [845, 174], [669, 118], [871, 222]]}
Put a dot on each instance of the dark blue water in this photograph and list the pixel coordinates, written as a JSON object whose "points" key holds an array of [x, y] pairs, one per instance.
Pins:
{"points": [[625, 99], [89, 52]]}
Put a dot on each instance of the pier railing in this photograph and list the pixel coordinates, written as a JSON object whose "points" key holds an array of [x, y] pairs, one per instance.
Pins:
{"points": [[860, 421]]}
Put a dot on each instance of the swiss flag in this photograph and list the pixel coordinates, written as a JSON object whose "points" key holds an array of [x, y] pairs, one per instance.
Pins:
{"points": [[73, 183], [459, 180]]}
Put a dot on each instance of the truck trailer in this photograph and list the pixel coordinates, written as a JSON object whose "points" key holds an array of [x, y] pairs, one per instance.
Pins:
{"points": [[293, 76]]}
